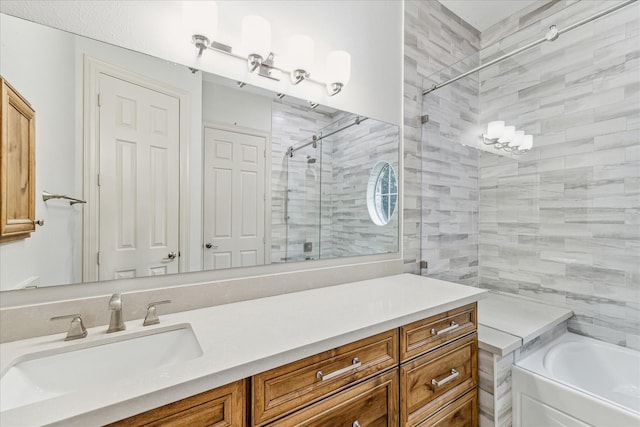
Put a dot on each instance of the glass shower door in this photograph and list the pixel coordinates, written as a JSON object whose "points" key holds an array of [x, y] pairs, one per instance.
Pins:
{"points": [[303, 204]]}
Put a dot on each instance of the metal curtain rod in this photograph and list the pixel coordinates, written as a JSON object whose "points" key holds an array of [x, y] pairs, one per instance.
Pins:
{"points": [[551, 35], [315, 139]]}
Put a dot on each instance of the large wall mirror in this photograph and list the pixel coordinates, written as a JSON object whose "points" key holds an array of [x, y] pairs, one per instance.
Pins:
{"points": [[181, 170]]}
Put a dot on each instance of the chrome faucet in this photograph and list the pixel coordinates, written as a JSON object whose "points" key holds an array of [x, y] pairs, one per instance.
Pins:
{"points": [[76, 328], [116, 323]]}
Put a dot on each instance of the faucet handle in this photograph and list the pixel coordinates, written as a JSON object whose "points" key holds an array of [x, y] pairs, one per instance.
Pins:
{"points": [[152, 316], [76, 328]]}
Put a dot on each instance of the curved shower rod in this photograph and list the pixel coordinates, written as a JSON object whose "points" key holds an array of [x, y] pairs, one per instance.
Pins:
{"points": [[551, 35]]}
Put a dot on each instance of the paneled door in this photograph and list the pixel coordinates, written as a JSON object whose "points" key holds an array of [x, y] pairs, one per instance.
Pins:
{"points": [[234, 199], [138, 180]]}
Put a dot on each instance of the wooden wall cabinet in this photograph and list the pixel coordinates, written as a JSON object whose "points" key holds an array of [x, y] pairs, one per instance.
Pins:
{"points": [[17, 165]]}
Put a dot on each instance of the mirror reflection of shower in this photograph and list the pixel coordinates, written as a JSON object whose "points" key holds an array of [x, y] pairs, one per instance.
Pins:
{"points": [[325, 191], [302, 202]]}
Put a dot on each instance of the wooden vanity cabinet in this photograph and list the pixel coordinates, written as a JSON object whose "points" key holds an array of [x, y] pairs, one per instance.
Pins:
{"points": [[17, 165], [433, 363], [423, 374], [439, 370], [221, 407]]}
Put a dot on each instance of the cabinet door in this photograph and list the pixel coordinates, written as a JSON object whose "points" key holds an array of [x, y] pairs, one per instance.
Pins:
{"points": [[17, 165], [373, 403], [461, 413], [436, 379], [221, 407]]}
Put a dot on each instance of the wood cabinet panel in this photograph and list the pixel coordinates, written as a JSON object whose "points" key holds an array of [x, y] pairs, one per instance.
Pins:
{"points": [[424, 335], [454, 365], [373, 403], [17, 165], [282, 390], [461, 413], [221, 407]]}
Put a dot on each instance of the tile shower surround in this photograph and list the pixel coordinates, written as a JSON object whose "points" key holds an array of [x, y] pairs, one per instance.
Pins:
{"points": [[559, 224], [323, 195], [441, 176]]}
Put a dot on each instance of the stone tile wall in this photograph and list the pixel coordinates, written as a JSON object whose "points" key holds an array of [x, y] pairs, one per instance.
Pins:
{"points": [[440, 175], [560, 224], [354, 152]]}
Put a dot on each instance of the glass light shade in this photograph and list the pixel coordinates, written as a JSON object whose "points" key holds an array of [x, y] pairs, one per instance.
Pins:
{"points": [[508, 134], [495, 129], [527, 143], [256, 35], [338, 67], [301, 53], [200, 17], [518, 137]]}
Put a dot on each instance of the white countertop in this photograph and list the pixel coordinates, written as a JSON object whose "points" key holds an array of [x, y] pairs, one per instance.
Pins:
{"points": [[239, 340], [510, 319], [497, 342]]}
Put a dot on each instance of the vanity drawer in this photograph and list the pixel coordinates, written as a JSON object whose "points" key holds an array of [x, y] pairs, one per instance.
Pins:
{"points": [[372, 403], [461, 413], [436, 379], [424, 335], [282, 390], [221, 407]]}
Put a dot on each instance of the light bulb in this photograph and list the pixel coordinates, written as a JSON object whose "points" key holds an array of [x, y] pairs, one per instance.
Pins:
{"points": [[339, 67], [301, 52], [256, 35], [507, 135], [200, 18], [527, 143], [518, 137], [495, 129]]}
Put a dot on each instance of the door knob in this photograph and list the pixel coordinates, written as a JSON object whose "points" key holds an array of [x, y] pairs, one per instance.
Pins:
{"points": [[210, 246], [171, 256]]}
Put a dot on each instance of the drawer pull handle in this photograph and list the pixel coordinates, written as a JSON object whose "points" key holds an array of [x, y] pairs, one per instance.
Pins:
{"points": [[453, 326], [454, 374], [356, 424], [355, 364]]}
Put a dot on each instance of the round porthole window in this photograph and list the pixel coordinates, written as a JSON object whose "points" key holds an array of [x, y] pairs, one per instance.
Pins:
{"points": [[382, 193]]}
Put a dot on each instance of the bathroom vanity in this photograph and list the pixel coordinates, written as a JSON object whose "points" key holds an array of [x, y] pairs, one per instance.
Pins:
{"points": [[405, 353]]}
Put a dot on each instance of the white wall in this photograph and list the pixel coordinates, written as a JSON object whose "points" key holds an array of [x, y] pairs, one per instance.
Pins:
{"points": [[46, 66], [232, 107], [42, 69], [370, 30]]}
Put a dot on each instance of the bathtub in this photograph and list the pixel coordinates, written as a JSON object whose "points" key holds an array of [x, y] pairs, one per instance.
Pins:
{"points": [[577, 381]]}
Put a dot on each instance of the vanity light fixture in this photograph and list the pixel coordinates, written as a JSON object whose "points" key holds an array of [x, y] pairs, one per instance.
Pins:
{"points": [[507, 138], [200, 17], [339, 68], [301, 54], [256, 38]]}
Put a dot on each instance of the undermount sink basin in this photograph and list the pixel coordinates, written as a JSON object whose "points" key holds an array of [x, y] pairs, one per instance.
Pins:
{"points": [[44, 375]]}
